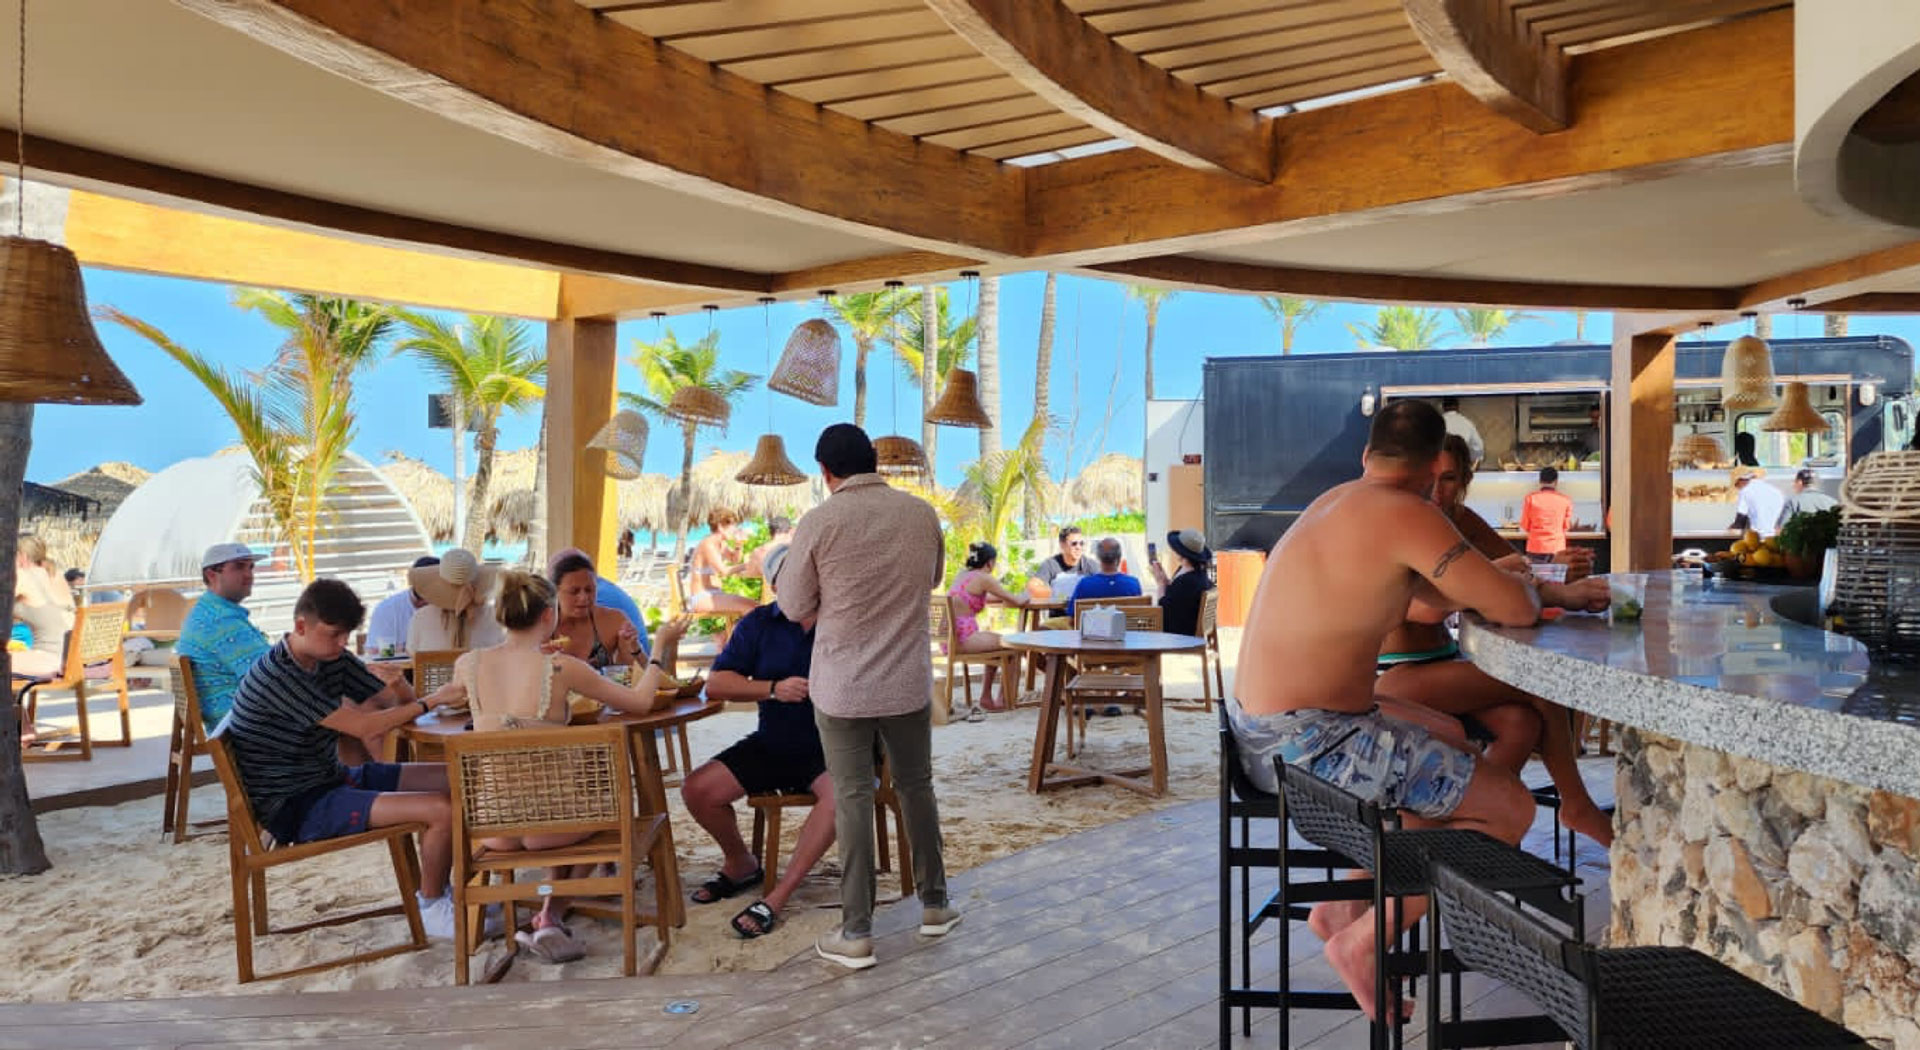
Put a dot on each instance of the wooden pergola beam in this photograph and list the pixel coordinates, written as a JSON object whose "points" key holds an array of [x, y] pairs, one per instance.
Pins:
{"points": [[1497, 57], [553, 76], [1082, 72]]}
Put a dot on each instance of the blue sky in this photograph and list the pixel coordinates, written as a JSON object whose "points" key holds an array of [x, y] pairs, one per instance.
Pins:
{"points": [[1097, 324]]}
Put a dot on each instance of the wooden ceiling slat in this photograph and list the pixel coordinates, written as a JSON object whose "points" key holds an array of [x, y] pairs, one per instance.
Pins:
{"points": [[1387, 65], [969, 118], [806, 39], [723, 16], [1289, 55], [1672, 17], [1332, 86], [908, 104], [1189, 15], [866, 58], [1005, 131], [1347, 16], [853, 86], [1042, 144], [886, 97], [1183, 60]]}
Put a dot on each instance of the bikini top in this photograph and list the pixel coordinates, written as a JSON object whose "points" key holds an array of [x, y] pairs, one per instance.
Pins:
{"points": [[599, 657]]}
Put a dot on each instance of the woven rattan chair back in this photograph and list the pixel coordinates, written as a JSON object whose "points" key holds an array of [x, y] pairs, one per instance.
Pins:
{"points": [[1209, 624], [188, 739], [522, 782], [1331, 818], [1495, 936], [186, 698], [1135, 609], [940, 620], [97, 633], [433, 668]]}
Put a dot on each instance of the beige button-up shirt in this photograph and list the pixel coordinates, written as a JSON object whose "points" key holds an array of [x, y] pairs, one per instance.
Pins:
{"points": [[862, 566]]}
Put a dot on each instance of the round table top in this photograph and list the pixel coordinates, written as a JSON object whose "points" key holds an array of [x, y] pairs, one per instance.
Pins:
{"points": [[1071, 642], [689, 710], [1043, 603]]}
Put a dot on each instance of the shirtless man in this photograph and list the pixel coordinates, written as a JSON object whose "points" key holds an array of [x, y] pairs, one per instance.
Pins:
{"points": [[1340, 581]]}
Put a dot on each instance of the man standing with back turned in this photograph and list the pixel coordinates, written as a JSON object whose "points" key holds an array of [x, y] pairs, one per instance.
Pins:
{"points": [[859, 574], [1343, 577]]}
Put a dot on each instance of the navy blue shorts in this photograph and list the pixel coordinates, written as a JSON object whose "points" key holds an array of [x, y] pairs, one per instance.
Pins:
{"points": [[345, 810]]}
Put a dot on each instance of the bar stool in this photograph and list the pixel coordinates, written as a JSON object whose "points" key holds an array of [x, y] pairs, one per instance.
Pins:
{"points": [[1399, 859], [1644, 998]]}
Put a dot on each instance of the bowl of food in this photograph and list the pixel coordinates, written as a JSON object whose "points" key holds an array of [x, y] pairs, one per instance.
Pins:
{"points": [[673, 689]]}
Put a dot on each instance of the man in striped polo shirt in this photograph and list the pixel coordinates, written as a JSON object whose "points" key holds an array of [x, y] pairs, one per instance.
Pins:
{"points": [[292, 711]]}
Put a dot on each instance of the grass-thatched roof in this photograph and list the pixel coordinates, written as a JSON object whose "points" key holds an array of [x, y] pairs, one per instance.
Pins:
{"points": [[1112, 484], [70, 539]]}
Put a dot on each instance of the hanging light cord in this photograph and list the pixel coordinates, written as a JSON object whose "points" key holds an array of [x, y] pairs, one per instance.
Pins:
{"points": [[20, 131], [766, 342]]}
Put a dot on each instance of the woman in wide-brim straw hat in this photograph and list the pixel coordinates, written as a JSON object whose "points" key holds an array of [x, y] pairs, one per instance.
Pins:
{"points": [[1181, 593], [460, 589]]}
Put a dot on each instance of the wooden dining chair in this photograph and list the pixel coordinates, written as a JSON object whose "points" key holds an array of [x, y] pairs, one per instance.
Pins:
{"points": [[433, 668], [1208, 629], [1108, 680], [942, 630], [93, 642], [187, 741], [766, 827], [251, 853], [577, 779]]}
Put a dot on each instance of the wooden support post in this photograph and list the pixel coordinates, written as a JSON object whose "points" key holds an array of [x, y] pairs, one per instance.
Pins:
{"points": [[1640, 432], [581, 355]]}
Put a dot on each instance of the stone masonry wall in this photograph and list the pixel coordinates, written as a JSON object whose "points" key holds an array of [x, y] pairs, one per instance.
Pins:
{"points": [[1806, 884]]}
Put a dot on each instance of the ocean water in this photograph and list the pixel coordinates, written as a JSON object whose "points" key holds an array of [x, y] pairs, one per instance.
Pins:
{"points": [[513, 553]]}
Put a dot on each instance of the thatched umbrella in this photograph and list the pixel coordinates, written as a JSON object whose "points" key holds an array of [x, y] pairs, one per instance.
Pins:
{"points": [[70, 538], [643, 503], [1112, 484], [429, 491], [714, 488]]}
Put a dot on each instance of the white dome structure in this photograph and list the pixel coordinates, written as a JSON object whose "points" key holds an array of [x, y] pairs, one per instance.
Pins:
{"points": [[158, 534]]}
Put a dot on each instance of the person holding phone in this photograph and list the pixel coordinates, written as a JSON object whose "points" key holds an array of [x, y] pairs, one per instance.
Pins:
{"points": [[1182, 593]]}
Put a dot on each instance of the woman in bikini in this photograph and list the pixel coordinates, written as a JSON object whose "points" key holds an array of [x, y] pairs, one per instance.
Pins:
{"points": [[520, 684], [602, 637], [715, 559], [971, 591]]}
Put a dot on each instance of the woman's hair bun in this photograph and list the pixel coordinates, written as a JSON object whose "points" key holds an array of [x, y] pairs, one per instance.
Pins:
{"points": [[524, 597], [981, 554]]}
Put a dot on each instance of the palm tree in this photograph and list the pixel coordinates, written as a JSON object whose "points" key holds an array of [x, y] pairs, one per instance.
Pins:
{"points": [[666, 367], [1482, 327], [1580, 326], [295, 417], [489, 366], [1001, 484], [21, 850], [1292, 314], [1043, 377], [867, 316], [1153, 299], [1402, 328], [989, 325], [952, 341]]}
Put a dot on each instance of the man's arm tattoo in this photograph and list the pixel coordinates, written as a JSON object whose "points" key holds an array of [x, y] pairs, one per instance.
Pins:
{"points": [[1453, 554]]}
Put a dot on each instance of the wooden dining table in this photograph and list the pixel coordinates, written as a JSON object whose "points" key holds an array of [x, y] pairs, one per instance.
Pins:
{"points": [[644, 746], [1057, 647]]}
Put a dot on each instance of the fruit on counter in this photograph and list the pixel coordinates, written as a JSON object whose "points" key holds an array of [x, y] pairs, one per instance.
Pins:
{"points": [[1750, 549]]}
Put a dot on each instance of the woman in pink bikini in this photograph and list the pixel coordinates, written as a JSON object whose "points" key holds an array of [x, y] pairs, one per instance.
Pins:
{"points": [[972, 590]]}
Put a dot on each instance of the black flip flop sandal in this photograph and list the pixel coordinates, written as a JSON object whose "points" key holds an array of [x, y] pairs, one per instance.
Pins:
{"points": [[721, 887], [758, 912]]}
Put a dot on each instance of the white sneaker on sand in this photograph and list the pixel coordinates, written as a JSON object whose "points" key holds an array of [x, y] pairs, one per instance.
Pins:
{"points": [[436, 916], [935, 922]]}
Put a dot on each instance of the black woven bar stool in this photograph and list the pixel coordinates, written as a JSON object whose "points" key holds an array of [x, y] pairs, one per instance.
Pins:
{"points": [[1309, 873], [1625, 998], [1333, 819]]}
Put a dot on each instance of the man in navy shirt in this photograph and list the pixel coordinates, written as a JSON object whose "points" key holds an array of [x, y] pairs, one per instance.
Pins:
{"points": [[1109, 582], [767, 660]]}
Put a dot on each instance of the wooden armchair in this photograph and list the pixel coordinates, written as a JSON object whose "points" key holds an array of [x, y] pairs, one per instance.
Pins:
{"points": [[766, 827], [187, 741], [1107, 681], [541, 782], [941, 628], [94, 640], [251, 853]]}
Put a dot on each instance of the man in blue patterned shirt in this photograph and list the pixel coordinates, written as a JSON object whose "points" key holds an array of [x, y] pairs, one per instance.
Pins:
{"points": [[219, 637]]}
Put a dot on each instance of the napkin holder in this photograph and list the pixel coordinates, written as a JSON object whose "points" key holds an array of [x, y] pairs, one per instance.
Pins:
{"points": [[1103, 623]]}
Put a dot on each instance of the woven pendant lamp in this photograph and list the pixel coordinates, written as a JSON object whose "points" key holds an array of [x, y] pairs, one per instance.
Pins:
{"points": [[809, 367], [624, 439], [901, 457], [770, 465], [699, 406], [1697, 450], [1796, 413], [1746, 376], [959, 404]]}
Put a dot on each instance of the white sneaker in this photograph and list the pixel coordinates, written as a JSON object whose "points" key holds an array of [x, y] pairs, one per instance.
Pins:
{"points": [[436, 917]]}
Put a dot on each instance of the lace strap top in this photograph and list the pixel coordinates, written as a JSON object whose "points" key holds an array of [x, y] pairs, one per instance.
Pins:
{"points": [[497, 707]]}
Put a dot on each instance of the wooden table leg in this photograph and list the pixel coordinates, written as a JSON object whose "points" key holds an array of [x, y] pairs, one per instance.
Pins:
{"points": [[1156, 725], [1048, 728], [666, 863]]}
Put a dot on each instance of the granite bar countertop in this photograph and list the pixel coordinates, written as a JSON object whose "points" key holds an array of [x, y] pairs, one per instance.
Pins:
{"points": [[1714, 665]]}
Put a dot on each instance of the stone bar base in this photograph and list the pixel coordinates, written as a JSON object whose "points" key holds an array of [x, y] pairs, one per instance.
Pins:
{"points": [[1806, 884]]}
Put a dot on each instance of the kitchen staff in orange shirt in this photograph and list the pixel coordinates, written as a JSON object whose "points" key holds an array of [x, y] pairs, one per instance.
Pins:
{"points": [[1546, 516]]}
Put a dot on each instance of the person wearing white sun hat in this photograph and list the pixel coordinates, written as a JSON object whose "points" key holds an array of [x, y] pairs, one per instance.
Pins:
{"points": [[461, 590]]}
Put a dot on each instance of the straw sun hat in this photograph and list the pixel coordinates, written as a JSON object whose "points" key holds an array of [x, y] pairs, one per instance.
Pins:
{"points": [[458, 583]]}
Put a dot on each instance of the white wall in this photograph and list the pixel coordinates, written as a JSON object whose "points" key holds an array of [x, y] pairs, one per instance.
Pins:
{"points": [[1174, 429]]}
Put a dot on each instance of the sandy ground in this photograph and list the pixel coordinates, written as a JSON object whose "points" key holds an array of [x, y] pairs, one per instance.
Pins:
{"points": [[125, 915]]}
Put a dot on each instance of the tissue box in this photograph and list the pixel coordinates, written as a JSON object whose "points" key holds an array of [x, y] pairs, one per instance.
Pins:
{"points": [[1103, 623]]}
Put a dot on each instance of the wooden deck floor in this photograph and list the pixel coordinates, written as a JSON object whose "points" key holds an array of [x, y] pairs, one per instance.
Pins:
{"points": [[1102, 939]]}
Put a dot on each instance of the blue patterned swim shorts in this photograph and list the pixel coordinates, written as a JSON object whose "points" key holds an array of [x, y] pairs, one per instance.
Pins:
{"points": [[1382, 760]]}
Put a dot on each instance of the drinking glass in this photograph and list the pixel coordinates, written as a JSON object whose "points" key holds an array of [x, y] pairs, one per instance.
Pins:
{"points": [[1626, 594]]}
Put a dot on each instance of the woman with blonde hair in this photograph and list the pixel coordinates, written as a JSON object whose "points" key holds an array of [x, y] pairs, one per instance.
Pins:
{"points": [[45, 604], [716, 558], [521, 683]]}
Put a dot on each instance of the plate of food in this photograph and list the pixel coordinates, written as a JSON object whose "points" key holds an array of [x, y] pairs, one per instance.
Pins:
{"points": [[674, 689], [582, 710]]}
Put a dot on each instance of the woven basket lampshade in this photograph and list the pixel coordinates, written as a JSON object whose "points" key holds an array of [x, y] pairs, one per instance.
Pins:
{"points": [[624, 439], [809, 367], [1697, 450], [49, 351], [1877, 586], [959, 404], [700, 406], [901, 457], [1796, 413], [770, 465], [1746, 376]]}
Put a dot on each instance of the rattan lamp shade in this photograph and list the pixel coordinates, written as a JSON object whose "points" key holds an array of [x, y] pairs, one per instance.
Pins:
{"points": [[1879, 560], [1796, 413], [49, 351], [959, 404], [1746, 376], [901, 457], [770, 465], [809, 367], [1697, 450], [700, 406], [624, 439]]}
